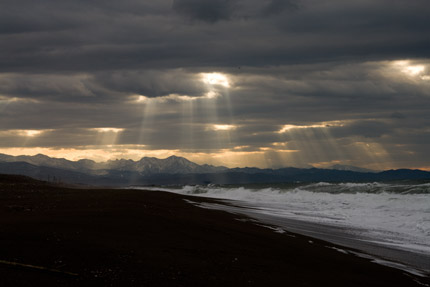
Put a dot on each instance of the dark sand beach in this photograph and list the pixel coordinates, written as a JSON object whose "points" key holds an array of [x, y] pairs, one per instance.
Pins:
{"points": [[60, 236]]}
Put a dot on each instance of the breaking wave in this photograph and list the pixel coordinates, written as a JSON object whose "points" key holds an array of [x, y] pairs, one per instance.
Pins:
{"points": [[396, 214]]}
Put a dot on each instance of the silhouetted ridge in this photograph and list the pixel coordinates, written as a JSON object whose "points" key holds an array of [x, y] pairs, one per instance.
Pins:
{"points": [[179, 170], [15, 178]]}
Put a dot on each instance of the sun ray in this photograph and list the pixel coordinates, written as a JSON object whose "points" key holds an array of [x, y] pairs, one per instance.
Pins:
{"points": [[218, 84], [187, 141], [107, 136], [148, 111]]}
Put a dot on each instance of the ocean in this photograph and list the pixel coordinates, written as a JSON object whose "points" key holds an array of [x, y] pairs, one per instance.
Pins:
{"points": [[389, 220]]}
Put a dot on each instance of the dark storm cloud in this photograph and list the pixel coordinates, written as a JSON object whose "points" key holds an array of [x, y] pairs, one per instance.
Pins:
{"points": [[102, 87], [205, 10], [212, 11], [100, 35], [152, 83], [50, 87], [68, 67], [260, 103], [279, 6]]}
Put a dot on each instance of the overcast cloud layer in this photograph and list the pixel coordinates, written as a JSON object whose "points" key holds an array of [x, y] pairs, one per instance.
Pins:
{"points": [[266, 83]]}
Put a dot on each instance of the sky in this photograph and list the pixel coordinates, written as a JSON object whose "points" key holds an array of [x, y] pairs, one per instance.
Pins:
{"points": [[266, 83]]}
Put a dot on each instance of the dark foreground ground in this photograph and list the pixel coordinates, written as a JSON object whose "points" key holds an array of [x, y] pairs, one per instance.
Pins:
{"points": [[57, 236]]}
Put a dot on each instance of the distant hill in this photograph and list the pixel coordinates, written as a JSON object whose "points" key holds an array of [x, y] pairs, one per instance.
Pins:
{"points": [[178, 170], [351, 168], [12, 178]]}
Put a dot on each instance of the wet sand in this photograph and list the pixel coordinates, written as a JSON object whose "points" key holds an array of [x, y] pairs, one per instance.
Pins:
{"points": [[414, 262], [58, 236]]}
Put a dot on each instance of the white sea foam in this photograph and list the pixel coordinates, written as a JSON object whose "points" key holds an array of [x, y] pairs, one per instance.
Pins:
{"points": [[396, 215]]}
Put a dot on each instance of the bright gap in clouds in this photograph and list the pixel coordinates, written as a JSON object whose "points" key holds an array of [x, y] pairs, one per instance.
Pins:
{"points": [[286, 128], [108, 130], [25, 133], [411, 69], [414, 70], [223, 127], [30, 133], [215, 79]]}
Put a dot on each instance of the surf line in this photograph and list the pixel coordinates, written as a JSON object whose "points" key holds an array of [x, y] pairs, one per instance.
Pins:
{"points": [[29, 266]]}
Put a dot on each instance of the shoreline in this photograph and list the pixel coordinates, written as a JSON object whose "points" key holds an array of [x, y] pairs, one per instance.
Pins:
{"points": [[402, 259], [123, 237]]}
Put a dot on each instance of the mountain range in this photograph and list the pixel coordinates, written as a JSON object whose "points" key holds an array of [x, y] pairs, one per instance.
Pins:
{"points": [[178, 170], [144, 166]]}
